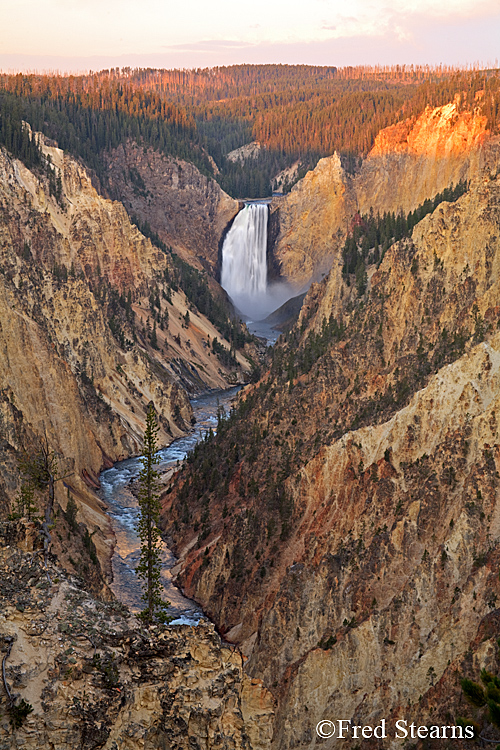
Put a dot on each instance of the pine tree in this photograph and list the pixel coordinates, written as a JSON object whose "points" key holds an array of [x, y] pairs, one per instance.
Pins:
{"points": [[25, 503], [40, 469], [153, 337], [485, 700], [149, 567]]}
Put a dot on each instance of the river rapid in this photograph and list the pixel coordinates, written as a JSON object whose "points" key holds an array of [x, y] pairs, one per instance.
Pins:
{"points": [[123, 510]]}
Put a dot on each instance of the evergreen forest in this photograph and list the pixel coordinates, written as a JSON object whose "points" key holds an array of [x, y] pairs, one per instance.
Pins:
{"points": [[298, 114]]}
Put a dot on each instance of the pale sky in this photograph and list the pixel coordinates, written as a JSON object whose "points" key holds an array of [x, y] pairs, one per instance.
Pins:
{"points": [[77, 35]]}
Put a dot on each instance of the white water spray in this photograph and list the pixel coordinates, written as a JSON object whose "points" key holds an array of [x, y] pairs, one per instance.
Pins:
{"points": [[244, 265]]}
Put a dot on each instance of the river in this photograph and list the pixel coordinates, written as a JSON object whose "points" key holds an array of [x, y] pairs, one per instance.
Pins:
{"points": [[123, 510]]}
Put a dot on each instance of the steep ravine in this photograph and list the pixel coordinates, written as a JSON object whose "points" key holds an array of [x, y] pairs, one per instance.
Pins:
{"points": [[342, 530], [350, 528], [79, 364], [186, 209], [81, 291], [119, 492]]}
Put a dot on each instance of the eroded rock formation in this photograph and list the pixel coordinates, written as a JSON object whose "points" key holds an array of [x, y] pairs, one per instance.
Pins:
{"points": [[342, 528], [410, 162], [95, 679], [186, 209], [352, 550]]}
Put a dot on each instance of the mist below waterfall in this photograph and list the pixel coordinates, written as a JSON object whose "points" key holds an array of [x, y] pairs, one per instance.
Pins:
{"points": [[244, 265]]}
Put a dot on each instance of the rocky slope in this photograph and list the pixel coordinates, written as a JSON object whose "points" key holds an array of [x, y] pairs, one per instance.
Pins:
{"points": [[410, 162], [79, 363], [308, 226], [95, 679], [186, 209], [343, 528], [248, 151]]}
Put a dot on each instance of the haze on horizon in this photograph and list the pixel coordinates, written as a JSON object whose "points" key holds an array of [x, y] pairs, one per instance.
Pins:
{"points": [[81, 35]]}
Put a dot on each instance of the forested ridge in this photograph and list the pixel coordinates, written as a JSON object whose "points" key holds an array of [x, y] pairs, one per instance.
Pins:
{"points": [[297, 113], [86, 130]]}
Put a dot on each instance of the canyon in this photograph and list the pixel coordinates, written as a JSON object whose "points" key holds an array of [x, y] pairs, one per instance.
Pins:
{"points": [[354, 537], [340, 530], [79, 366]]}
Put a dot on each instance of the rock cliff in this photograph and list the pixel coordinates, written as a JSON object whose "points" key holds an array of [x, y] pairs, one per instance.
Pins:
{"points": [[352, 548], [310, 223], [410, 162], [186, 209], [95, 679], [415, 159], [79, 362]]}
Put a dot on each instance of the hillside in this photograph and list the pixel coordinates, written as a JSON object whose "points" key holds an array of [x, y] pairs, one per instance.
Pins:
{"points": [[188, 211], [93, 325], [342, 528], [95, 678]]}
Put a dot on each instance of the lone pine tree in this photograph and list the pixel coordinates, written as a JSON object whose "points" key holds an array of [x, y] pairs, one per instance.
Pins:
{"points": [[149, 567]]}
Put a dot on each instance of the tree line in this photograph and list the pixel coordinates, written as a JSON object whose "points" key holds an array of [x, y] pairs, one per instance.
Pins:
{"points": [[86, 131], [297, 113]]}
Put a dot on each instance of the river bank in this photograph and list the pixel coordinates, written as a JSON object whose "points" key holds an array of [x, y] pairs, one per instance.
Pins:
{"points": [[122, 507]]}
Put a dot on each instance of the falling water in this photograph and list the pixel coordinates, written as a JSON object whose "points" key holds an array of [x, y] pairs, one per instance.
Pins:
{"points": [[244, 262], [244, 270]]}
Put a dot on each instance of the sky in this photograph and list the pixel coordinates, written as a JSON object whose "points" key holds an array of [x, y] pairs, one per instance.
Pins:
{"points": [[80, 35]]}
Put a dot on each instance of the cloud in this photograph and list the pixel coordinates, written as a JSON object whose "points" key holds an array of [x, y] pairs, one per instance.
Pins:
{"points": [[375, 31], [429, 9], [409, 21], [346, 25]]}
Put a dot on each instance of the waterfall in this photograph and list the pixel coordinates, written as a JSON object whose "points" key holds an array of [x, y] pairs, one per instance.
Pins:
{"points": [[244, 262]]}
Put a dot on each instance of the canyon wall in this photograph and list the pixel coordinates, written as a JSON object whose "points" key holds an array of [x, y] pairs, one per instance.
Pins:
{"points": [[79, 362], [410, 162], [95, 679], [352, 548], [310, 223], [186, 209]]}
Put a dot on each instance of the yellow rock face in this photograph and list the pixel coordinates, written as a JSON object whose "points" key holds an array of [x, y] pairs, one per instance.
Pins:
{"points": [[416, 159], [92, 674], [312, 221], [410, 162], [62, 372]]}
